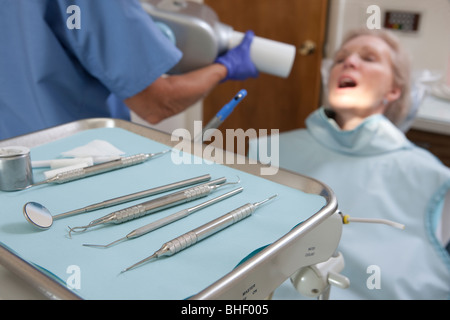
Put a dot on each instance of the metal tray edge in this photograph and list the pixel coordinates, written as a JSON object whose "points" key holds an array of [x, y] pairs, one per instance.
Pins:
{"points": [[52, 289]]}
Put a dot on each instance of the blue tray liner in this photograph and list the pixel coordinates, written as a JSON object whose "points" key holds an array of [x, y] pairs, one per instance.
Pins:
{"points": [[175, 277]]}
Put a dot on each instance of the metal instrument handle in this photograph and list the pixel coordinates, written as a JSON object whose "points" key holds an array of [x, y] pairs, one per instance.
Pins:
{"points": [[99, 168], [134, 196], [160, 223], [134, 159], [180, 214], [161, 203], [192, 237], [224, 221], [180, 243]]}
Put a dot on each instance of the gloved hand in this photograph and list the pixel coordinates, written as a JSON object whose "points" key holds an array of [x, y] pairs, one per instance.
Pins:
{"points": [[238, 61]]}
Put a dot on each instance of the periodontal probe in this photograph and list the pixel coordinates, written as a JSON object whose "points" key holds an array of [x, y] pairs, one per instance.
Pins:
{"points": [[169, 219], [95, 169], [192, 237], [155, 205]]}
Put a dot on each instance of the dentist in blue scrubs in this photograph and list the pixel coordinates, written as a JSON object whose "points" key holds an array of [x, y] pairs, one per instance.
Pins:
{"points": [[55, 69], [353, 145]]}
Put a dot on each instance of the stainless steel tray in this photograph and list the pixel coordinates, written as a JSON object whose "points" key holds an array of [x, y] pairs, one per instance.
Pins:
{"points": [[255, 278]]}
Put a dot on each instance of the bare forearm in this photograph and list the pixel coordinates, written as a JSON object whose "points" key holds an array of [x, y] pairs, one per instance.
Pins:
{"points": [[171, 95]]}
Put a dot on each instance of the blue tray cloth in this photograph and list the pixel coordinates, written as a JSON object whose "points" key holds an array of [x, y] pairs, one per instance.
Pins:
{"points": [[176, 277]]}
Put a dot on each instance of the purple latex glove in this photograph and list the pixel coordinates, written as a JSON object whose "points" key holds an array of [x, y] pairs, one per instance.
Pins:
{"points": [[238, 61]]}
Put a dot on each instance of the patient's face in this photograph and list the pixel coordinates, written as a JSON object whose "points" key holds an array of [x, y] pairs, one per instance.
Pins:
{"points": [[361, 76]]}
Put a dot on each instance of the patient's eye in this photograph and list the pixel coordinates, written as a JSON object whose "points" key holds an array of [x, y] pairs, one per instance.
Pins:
{"points": [[368, 54], [368, 57], [340, 57]]}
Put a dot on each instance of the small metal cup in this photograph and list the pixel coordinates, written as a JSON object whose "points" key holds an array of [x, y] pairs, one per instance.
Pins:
{"points": [[15, 168]]}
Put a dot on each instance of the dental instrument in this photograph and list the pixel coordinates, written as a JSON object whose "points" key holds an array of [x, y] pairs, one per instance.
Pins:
{"points": [[81, 173], [39, 216], [220, 117], [192, 237], [152, 206], [169, 219]]}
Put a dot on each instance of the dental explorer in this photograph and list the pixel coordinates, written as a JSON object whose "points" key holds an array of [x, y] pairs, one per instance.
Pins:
{"points": [[107, 166], [169, 219], [39, 216], [192, 237], [154, 205]]}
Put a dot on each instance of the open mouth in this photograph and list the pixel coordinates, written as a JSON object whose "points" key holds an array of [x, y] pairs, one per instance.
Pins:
{"points": [[346, 82]]}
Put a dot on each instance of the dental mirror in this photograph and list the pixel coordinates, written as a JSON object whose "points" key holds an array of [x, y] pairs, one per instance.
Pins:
{"points": [[38, 215]]}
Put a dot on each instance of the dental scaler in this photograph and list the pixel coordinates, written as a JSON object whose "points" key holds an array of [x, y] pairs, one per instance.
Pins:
{"points": [[192, 237], [155, 205], [166, 220], [81, 173]]}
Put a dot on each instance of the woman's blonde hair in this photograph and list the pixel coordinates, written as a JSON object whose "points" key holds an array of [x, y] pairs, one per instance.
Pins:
{"points": [[397, 110]]}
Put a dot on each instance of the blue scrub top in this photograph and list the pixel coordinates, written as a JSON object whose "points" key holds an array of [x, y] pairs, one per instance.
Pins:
{"points": [[51, 74]]}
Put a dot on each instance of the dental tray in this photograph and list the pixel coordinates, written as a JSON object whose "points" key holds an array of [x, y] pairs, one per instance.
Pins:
{"points": [[247, 260]]}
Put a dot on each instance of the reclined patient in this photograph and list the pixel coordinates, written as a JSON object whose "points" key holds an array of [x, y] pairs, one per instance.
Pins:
{"points": [[353, 145]]}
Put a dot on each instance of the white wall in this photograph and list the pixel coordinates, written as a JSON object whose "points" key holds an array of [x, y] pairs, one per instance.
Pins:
{"points": [[430, 46]]}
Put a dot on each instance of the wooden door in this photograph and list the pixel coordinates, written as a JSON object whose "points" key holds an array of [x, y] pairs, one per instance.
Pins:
{"points": [[272, 102]]}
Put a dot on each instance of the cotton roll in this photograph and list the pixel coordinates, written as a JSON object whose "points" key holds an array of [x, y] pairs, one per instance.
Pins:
{"points": [[269, 56], [52, 173], [60, 163]]}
